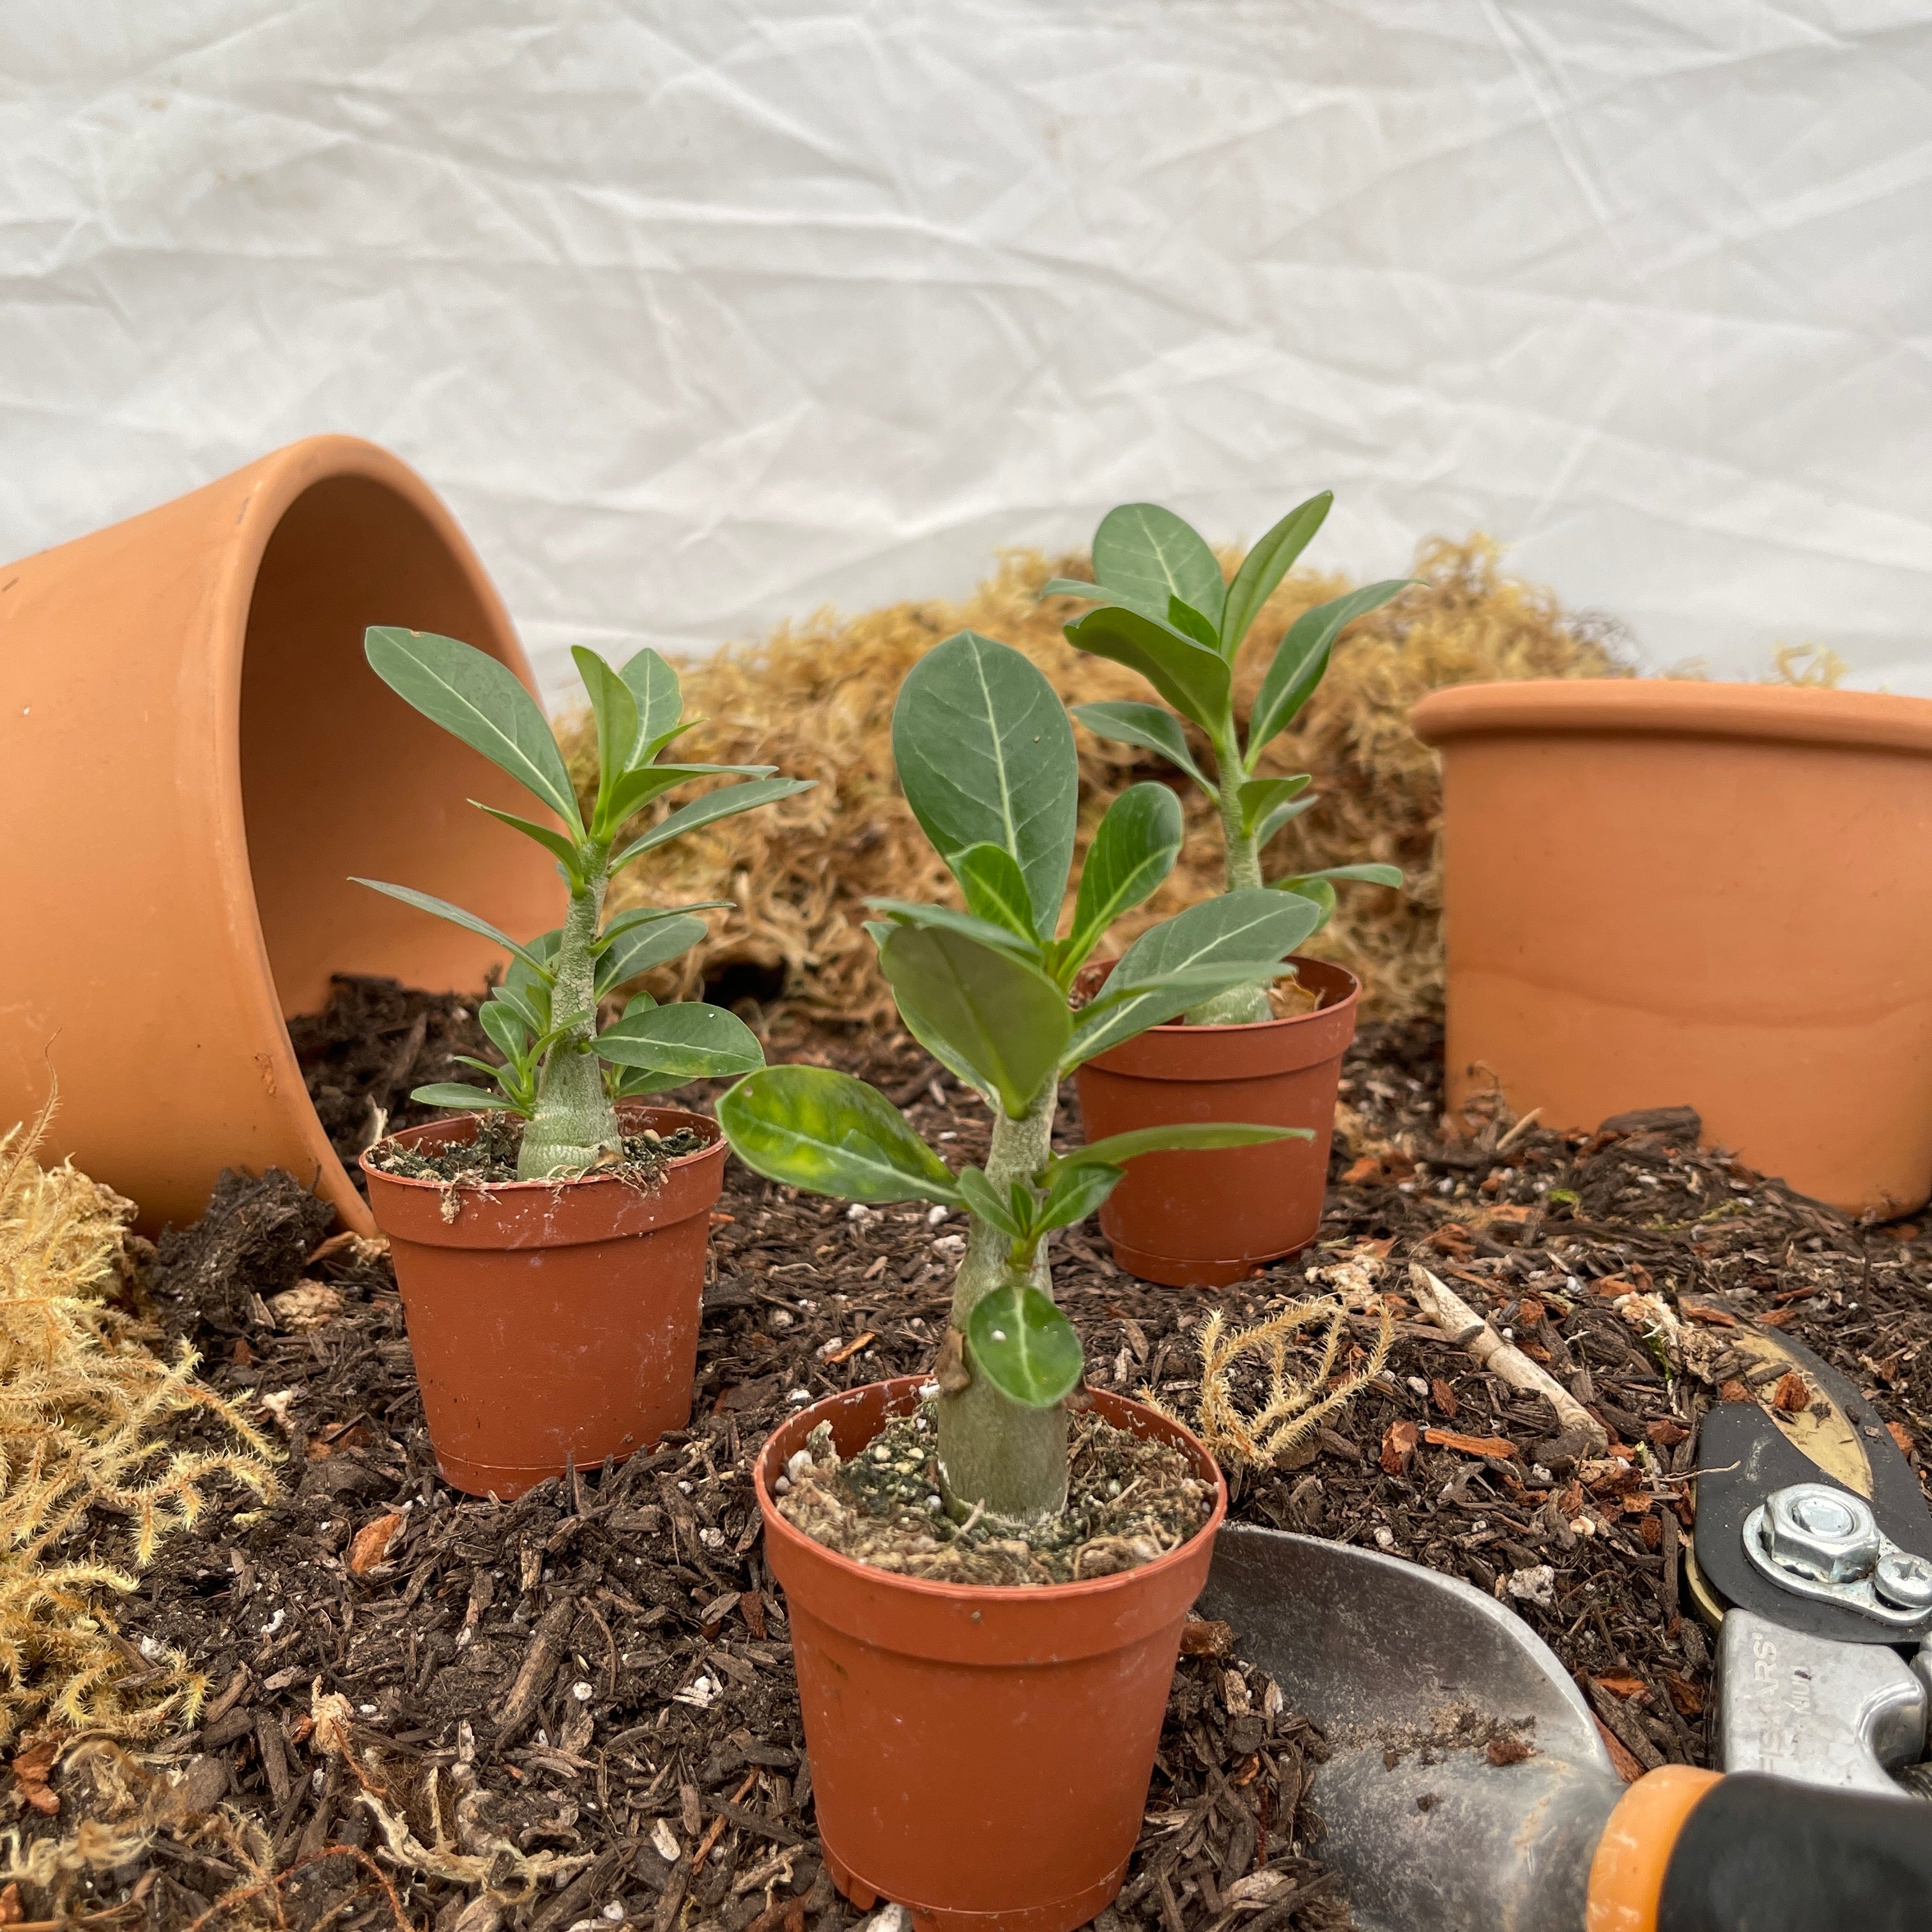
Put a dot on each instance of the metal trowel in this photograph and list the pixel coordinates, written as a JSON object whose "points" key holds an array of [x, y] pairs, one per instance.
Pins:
{"points": [[1439, 1820]]}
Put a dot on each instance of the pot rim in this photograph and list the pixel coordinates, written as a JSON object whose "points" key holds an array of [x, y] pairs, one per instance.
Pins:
{"points": [[916, 1587], [507, 1190], [1220, 1029], [1675, 707]]}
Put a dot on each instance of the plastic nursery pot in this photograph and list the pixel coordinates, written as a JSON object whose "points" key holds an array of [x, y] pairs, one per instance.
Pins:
{"points": [[980, 1756], [193, 759], [551, 1322], [1202, 1220], [1657, 893]]}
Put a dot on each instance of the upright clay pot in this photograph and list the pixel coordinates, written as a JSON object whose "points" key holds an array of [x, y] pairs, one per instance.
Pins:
{"points": [[1657, 893], [194, 757], [551, 1321], [1204, 1219], [980, 1756]]}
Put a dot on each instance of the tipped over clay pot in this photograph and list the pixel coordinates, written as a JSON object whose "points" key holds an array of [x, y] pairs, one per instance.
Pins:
{"points": [[194, 757], [1658, 892], [978, 1755]]}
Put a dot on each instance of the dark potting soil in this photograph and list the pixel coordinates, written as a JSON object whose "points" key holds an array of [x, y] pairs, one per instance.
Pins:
{"points": [[583, 1699], [1128, 1501], [490, 1156], [375, 1042]]}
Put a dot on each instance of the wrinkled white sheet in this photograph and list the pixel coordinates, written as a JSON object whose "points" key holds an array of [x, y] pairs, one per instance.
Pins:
{"points": [[703, 314]]}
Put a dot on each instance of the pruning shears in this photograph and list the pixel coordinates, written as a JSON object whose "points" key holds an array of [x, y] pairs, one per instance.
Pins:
{"points": [[1469, 1788]]}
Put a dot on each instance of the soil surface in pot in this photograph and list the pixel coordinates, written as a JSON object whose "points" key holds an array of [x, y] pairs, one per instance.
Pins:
{"points": [[489, 1156], [1128, 1500], [584, 1699]]}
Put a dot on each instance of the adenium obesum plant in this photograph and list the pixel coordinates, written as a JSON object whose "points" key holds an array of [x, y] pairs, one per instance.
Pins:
{"points": [[1166, 611], [560, 1073], [985, 757]]}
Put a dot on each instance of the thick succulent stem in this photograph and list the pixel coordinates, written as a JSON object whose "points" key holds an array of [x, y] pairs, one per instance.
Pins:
{"points": [[995, 1453], [1240, 1005], [574, 1121]]}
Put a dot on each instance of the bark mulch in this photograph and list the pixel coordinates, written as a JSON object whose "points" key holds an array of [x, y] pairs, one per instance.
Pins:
{"points": [[577, 1709]]}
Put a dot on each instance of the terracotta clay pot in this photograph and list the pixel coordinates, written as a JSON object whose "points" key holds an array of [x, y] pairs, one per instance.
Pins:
{"points": [[1657, 893], [550, 1322], [1204, 1219], [193, 759], [981, 1756]]}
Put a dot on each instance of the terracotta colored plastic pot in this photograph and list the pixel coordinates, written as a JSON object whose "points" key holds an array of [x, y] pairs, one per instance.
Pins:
{"points": [[1658, 893], [193, 759], [981, 1756], [551, 1321], [1204, 1219]]}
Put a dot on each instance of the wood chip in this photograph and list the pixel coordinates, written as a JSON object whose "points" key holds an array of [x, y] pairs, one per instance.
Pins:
{"points": [[1399, 1441], [373, 1542], [1471, 1445]]}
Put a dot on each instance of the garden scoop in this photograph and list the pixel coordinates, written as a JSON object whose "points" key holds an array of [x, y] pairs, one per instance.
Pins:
{"points": [[1469, 1789]]}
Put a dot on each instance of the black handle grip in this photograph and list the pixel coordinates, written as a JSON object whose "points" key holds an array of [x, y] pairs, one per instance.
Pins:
{"points": [[1762, 1854]]}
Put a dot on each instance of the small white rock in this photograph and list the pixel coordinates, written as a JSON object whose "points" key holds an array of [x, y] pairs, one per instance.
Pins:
{"points": [[858, 1211], [582, 1692], [933, 1216], [1535, 1585], [1384, 1539], [1420, 1386]]}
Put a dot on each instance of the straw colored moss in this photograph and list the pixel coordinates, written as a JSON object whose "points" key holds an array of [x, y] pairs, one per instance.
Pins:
{"points": [[89, 1423]]}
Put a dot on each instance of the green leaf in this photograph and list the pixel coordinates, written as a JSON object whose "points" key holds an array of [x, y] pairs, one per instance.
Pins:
{"points": [[1192, 678], [638, 948], [1237, 933], [1146, 554], [996, 1021], [637, 788], [996, 890], [632, 916], [725, 802], [1272, 822], [969, 926], [456, 915], [813, 1128], [1024, 1346], [1147, 726], [985, 757], [1073, 586], [1365, 875], [1133, 852], [653, 687], [504, 1025], [1075, 1192], [618, 724], [553, 842], [688, 1038], [1260, 797], [978, 1193], [1302, 657], [470, 1099], [1117, 1150], [1266, 565], [1319, 892], [1184, 618], [529, 1001], [478, 700]]}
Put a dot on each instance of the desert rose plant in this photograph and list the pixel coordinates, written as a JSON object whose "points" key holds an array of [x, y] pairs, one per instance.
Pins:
{"points": [[561, 1074], [1166, 611], [985, 756]]}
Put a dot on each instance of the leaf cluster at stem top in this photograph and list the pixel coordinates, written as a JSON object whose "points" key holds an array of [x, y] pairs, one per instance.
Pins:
{"points": [[543, 1017], [1163, 609]]}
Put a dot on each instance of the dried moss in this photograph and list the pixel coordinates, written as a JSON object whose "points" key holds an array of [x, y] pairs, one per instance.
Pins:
{"points": [[816, 699], [92, 1423]]}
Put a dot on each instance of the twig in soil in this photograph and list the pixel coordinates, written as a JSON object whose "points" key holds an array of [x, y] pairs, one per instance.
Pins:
{"points": [[1461, 1324]]}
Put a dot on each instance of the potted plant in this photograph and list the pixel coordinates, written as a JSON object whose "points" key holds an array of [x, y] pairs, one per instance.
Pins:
{"points": [[549, 1244], [1164, 610], [981, 1751]]}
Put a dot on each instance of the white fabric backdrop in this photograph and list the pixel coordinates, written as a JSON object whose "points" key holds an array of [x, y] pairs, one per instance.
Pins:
{"points": [[701, 315]]}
